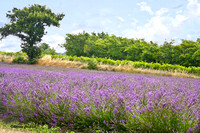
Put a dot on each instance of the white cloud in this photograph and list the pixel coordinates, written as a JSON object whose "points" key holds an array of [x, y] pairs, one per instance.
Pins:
{"points": [[120, 19], [179, 12], [189, 36], [145, 7], [193, 8], [105, 23], [162, 11], [134, 22], [154, 30], [10, 44], [165, 25], [160, 27], [77, 31], [178, 20]]}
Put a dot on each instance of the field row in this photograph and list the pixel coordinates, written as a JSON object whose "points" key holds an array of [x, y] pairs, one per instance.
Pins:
{"points": [[96, 102]]}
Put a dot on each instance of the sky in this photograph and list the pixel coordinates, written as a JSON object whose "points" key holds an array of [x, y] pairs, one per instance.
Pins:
{"points": [[152, 20]]}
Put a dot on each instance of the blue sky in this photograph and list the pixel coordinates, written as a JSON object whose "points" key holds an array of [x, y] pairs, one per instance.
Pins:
{"points": [[152, 20]]}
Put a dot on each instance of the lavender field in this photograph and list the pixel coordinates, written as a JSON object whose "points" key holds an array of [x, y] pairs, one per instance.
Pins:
{"points": [[98, 101]]}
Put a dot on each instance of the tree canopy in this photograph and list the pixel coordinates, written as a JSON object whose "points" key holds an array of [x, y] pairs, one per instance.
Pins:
{"points": [[119, 48], [29, 25], [45, 49]]}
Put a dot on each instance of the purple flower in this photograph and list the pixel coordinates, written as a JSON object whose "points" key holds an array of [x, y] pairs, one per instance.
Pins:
{"points": [[54, 93], [128, 108], [21, 117], [4, 115], [5, 103], [164, 105], [69, 124], [133, 116], [115, 111], [87, 109], [150, 106], [54, 115], [190, 130], [62, 118], [35, 114], [150, 94], [13, 101], [54, 122], [197, 127], [96, 101]]}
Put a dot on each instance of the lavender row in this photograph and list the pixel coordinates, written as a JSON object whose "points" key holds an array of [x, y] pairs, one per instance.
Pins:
{"points": [[101, 101]]}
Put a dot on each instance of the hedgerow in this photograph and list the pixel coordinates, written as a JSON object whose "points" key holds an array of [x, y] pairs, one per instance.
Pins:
{"points": [[136, 64]]}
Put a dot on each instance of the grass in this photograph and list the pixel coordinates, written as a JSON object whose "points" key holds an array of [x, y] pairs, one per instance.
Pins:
{"points": [[16, 127], [6, 58], [47, 61]]}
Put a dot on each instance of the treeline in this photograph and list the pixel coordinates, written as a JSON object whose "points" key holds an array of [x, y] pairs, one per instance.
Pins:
{"points": [[118, 48]]}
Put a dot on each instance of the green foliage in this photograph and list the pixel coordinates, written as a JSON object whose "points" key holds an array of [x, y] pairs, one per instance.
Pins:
{"points": [[46, 129], [20, 60], [29, 25], [117, 48], [75, 44], [45, 49], [2, 59], [32, 61], [92, 64], [13, 53], [33, 52], [29, 127]]}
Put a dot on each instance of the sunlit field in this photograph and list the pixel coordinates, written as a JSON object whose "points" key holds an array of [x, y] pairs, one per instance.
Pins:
{"points": [[95, 101]]}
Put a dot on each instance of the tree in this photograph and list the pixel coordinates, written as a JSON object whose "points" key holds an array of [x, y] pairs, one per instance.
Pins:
{"points": [[29, 25], [166, 52], [188, 52], [75, 44], [44, 46], [45, 49], [135, 49]]}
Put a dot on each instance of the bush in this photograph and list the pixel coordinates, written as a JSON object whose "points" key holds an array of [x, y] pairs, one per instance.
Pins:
{"points": [[2, 59], [32, 61], [20, 60], [92, 64]]}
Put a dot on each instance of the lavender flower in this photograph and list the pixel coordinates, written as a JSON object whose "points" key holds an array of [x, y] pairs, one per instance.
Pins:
{"points": [[115, 96]]}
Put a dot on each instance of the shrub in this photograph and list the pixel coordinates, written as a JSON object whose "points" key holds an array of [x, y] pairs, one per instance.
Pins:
{"points": [[92, 64], [2, 59], [32, 61], [20, 60], [71, 58]]}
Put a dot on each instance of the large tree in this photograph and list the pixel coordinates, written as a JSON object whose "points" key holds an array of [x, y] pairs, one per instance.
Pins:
{"points": [[29, 25]]}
